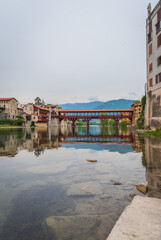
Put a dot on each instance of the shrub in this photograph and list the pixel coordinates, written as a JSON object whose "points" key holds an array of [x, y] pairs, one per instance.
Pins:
{"points": [[140, 121], [11, 122]]}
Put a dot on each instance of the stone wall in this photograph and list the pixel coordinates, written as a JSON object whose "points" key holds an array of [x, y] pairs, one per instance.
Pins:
{"points": [[153, 109]]}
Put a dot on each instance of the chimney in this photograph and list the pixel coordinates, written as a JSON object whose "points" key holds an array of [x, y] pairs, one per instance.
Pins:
{"points": [[149, 9]]}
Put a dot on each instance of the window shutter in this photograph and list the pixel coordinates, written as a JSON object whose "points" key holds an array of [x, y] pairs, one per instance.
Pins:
{"points": [[159, 15], [156, 79], [158, 60], [150, 82], [150, 67], [150, 49], [159, 77], [159, 40]]}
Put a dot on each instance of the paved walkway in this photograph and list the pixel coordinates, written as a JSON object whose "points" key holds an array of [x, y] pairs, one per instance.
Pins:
{"points": [[141, 220]]}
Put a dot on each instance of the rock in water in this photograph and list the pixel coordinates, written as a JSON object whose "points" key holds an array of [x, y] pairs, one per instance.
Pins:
{"points": [[132, 195], [116, 182], [143, 188], [78, 227], [90, 160]]}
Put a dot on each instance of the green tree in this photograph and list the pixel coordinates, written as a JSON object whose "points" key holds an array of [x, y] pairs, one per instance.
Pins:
{"points": [[106, 120], [123, 126], [37, 100], [140, 121], [113, 122], [136, 101]]}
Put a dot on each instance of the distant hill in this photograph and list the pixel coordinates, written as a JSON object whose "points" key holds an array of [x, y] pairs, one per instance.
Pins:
{"points": [[116, 104], [81, 106], [113, 104]]}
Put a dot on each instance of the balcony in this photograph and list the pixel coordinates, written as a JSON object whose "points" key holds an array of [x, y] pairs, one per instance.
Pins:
{"points": [[2, 108], [158, 27], [149, 37]]}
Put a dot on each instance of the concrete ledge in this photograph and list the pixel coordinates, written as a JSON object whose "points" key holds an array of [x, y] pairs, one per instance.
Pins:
{"points": [[141, 220]]}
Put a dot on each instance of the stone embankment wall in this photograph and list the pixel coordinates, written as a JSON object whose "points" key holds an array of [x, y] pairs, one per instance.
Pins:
{"points": [[141, 220], [153, 109]]}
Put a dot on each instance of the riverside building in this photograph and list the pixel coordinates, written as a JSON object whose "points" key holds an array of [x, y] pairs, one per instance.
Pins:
{"points": [[153, 61], [8, 108]]}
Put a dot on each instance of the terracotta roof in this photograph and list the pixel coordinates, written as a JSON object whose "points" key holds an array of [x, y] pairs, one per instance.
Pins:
{"points": [[41, 107], [136, 104], [7, 99], [54, 105], [51, 105]]}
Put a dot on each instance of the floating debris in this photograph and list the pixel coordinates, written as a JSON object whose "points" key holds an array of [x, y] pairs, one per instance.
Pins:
{"points": [[116, 182], [91, 160], [143, 188]]}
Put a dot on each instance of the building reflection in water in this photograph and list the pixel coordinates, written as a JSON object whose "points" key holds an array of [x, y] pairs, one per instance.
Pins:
{"points": [[39, 139], [152, 161]]}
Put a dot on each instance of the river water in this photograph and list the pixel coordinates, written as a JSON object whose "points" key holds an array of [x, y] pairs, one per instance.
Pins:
{"points": [[50, 190]]}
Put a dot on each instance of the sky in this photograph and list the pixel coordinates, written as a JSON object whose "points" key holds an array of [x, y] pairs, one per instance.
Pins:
{"points": [[73, 50]]}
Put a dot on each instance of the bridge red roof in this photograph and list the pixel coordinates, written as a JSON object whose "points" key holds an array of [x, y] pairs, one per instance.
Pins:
{"points": [[96, 110]]}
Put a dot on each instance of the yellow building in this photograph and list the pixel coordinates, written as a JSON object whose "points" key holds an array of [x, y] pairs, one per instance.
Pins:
{"points": [[137, 108]]}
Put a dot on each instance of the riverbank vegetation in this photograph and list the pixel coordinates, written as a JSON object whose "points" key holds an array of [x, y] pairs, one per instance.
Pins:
{"points": [[156, 133], [10, 122], [140, 120]]}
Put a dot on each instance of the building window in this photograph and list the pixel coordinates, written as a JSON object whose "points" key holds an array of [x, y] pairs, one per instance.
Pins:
{"points": [[151, 67], [150, 82], [149, 37], [150, 27], [159, 15], [158, 78], [150, 49], [158, 27], [150, 32], [159, 40], [158, 60]]}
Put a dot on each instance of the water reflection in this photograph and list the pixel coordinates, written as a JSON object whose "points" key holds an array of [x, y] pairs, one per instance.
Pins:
{"points": [[152, 162], [39, 139], [49, 190]]}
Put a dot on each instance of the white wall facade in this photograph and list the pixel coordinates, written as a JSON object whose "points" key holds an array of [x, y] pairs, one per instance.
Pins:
{"points": [[153, 95]]}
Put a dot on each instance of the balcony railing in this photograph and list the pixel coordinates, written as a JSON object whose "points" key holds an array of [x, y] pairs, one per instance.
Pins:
{"points": [[2, 108]]}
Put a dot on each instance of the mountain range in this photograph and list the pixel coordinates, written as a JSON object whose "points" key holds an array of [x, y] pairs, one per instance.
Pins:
{"points": [[112, 104]]}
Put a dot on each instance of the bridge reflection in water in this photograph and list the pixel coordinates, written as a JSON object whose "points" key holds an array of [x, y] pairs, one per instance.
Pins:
{"points": [[39, 140], [104, 136]]}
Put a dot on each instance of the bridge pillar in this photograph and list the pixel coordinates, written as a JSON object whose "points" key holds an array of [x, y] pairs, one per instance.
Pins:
{"points": [[73, 131], [102, 123], [87, 123], [73, 123], [87, 126], [117, 123]]}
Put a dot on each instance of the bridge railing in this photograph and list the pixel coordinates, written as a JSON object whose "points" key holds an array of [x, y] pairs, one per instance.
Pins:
{"points": [[125, 113]]}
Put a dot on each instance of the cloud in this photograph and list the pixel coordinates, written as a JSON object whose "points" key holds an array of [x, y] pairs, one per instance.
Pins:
{"points": [[132, 94], [93, 98]]}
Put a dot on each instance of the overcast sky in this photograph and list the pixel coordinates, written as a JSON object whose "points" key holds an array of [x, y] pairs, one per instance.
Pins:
{"points": [[72, 50]]}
